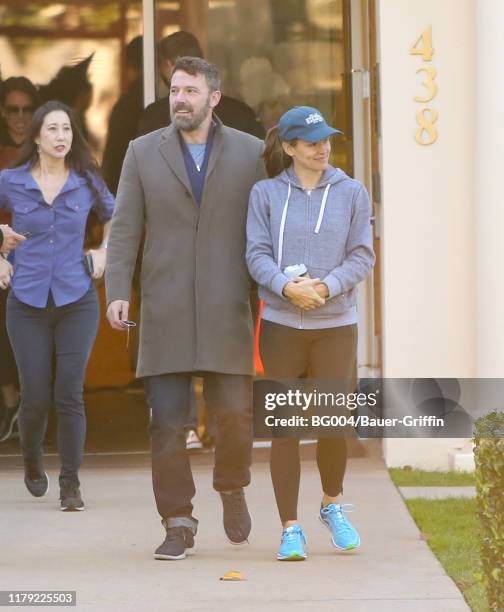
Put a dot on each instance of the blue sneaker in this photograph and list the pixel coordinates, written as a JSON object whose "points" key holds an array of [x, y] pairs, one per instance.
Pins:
{"points": [[292, 544], [344, 535]]}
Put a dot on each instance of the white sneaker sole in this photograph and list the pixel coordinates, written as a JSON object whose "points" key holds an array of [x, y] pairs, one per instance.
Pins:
{"points": [[332, 539], [236, 543], [292, 558], [71, 509], [187, 553]]}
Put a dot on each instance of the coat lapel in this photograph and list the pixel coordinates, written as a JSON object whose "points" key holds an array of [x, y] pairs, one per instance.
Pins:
{"points": [[170, 150], [216, 151]]}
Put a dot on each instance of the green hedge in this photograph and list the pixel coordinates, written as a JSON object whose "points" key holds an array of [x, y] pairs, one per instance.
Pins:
{"points": [[489, 459]]}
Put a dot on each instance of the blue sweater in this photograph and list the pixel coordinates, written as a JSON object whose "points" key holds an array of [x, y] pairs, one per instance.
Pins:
{"points": [[197, 177], [328, 229]]}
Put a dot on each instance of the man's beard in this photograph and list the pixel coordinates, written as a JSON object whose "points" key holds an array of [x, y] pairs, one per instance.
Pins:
{"points": [[189, 124]]}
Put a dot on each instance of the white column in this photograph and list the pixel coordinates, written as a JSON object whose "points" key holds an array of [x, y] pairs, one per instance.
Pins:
{"points": [[428, 221], [428, 237], [489, 189]]}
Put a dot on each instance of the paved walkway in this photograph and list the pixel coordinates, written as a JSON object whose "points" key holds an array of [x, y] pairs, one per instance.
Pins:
{"points": [[105, 553], [437, 492]]}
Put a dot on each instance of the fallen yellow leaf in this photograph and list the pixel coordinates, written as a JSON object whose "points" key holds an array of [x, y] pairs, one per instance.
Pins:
{"points": [[233, 575]]}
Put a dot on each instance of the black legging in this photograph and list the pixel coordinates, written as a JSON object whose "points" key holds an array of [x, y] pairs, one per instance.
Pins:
{"points": [[287, 352]]}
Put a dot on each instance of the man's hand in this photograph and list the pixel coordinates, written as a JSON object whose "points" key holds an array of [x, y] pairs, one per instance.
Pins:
{"points": [[302, 294], [10, 239], [116, 313], [5, 273], [99, 257]]}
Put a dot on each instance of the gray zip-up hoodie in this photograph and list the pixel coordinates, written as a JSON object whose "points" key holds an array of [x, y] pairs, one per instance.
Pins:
{"points": [[327, 228]]}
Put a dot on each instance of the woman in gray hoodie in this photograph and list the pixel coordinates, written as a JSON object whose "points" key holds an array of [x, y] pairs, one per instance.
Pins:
{"points": [[309, 243]]}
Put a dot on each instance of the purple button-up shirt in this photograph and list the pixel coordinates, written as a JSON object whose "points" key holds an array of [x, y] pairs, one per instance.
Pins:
{"points": [[52, 257]]}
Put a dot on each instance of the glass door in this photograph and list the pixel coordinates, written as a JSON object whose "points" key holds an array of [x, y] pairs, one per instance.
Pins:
{"points": [[272, 54]]}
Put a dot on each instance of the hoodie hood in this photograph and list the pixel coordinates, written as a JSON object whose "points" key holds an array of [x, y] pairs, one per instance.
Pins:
{"points": [[331, 176]]}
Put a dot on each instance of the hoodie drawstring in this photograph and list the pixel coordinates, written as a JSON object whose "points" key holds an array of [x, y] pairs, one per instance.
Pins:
{"points": [[284, 217], [282, 227], [322, 208]]}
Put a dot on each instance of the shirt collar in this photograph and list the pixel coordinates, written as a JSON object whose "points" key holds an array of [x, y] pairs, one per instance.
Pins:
{"points": [[22, 176]]}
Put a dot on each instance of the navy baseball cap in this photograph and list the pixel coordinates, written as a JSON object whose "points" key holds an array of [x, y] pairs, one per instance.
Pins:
{"points": [[306, 123]]}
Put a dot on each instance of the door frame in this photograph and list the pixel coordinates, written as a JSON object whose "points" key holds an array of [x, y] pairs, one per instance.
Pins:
{"points": [[365, 163], [149, 52]]}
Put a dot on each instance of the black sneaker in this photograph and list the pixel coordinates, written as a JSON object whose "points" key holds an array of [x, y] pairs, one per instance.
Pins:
{"points": [[178, 543], [70, 498], [8, 422], [36, 479], [236, 517]]}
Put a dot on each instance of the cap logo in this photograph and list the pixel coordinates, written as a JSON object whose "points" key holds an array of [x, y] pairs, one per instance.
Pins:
{"points": [[314, 118]]}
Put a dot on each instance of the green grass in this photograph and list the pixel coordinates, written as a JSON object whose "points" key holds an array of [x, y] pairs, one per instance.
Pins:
{"points": [[404, 477], [452, 525]]}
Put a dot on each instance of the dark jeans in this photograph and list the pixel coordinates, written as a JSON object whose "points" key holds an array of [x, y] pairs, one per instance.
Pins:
{"points": [[209, 419], [287, 352], [52, 347], [8, 371], [168, 396]]}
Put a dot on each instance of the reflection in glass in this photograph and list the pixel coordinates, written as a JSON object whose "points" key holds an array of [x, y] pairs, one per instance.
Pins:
{"points": [[273, 54], [37, 39]]}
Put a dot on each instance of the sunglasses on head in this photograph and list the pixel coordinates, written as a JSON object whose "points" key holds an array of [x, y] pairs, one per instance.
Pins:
{"points": [[12, 109]]}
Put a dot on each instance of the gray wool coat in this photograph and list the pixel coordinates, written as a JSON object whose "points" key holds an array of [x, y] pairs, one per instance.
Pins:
{"points": [[195, 286]]}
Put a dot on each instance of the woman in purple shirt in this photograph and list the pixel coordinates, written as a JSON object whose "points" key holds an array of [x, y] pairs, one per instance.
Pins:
{"points": [[52, 308]]}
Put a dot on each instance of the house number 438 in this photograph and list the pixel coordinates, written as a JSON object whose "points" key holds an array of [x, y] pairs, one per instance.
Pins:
{"points": [[426, 117]]}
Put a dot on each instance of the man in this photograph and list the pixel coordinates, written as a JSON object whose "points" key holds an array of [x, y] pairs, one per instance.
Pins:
{"points": [[231, 112], [125, 116], [188, 184], [9, 239]]}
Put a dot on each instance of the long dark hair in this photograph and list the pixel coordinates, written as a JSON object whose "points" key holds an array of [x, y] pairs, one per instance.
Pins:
{"points": [[79, 158], [275, 158]]}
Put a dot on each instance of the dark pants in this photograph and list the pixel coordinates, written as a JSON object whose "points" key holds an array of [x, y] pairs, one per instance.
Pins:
{"points": [[287, 352], [52, 347], [208, 420], [168, 396]]}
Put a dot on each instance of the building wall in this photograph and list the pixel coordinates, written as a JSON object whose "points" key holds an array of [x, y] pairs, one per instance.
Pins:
{"points": [[427, 213], [488, 192]]}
